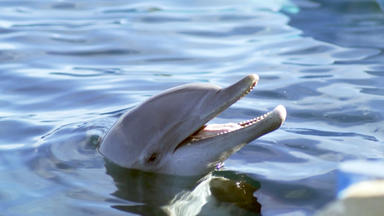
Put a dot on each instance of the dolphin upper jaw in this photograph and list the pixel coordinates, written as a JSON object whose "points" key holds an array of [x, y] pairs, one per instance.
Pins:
{"points": [[167, 133]]}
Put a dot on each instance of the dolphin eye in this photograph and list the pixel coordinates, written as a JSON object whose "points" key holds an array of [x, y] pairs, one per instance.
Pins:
{"points": [[152, 158]]}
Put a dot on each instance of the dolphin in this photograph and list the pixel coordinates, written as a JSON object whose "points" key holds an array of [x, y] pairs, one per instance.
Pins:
{"points": [[168, 133]]}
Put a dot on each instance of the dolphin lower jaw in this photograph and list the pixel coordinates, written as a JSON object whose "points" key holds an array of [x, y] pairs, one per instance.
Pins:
{"points": [[202, 151], [212, 130], [244, 131]]}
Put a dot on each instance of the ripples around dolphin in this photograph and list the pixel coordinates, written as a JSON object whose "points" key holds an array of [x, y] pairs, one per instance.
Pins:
{"points": [[69, 69]]}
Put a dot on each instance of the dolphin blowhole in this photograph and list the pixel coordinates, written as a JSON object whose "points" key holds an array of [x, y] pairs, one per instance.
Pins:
{"points": [[170, 132]]}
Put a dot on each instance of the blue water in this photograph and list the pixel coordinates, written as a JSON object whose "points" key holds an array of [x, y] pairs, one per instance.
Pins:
{"points": [[69, 69]]}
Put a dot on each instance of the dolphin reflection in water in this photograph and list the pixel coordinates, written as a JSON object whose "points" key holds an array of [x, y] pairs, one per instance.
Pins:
{"points": [[218, 193]]}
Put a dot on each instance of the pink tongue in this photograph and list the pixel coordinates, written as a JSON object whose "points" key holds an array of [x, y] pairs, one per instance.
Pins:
{"points": [[215, 129]]}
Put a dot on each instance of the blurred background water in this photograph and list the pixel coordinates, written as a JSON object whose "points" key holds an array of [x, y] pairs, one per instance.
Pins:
{"points": [[69, 69]]}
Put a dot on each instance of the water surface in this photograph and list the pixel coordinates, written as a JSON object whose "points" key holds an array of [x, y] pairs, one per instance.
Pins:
{"points": [[69, 69]]}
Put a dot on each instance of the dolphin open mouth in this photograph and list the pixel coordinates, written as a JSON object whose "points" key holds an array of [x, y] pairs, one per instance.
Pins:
{"points": [[270, 121], [171, 133], [212, 130]]}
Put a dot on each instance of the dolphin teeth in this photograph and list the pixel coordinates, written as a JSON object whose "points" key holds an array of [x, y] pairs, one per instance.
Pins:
{"points": [[212, 130], [247, 123], [248, 90]]}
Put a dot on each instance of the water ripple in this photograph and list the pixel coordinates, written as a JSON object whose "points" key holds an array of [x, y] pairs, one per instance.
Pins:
{"points": [[69, 69]]}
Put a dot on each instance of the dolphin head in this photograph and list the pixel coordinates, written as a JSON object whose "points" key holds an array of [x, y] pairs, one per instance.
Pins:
{"points": [[168, 132]]}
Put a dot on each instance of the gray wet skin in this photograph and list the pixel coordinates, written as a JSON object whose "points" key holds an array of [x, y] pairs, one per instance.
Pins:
{"points": [[167, 133]]}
